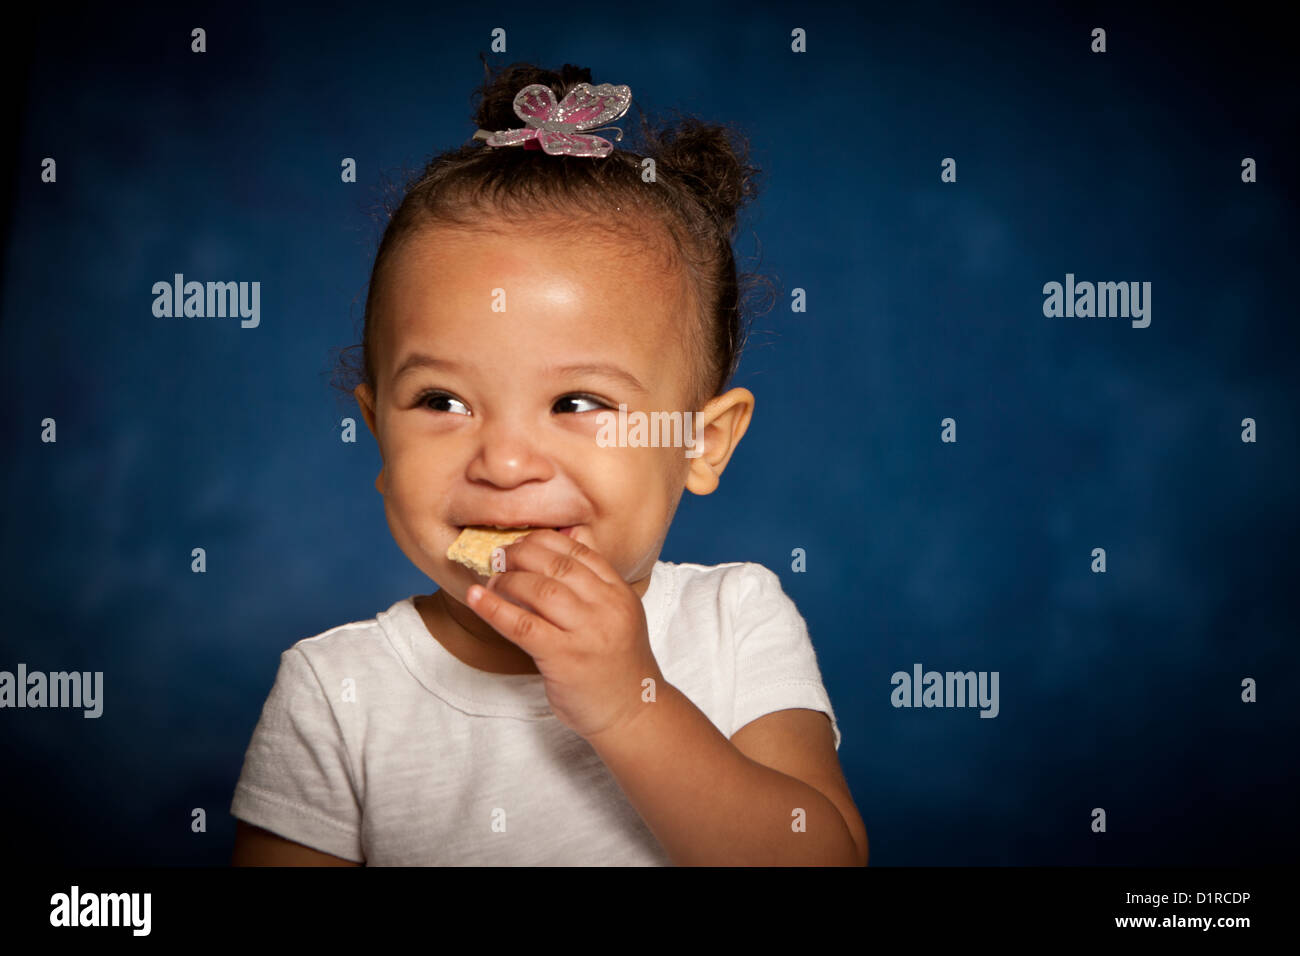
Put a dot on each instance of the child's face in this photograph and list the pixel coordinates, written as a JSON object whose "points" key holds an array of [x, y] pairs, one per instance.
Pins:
{"points": [[498, 432]]}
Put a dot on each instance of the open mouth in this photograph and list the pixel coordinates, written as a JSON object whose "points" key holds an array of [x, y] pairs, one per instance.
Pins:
{"points": [[565, 530]]}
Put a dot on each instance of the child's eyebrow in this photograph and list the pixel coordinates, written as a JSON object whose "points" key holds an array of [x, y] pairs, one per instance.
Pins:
{"points": [[606, 369], [420, 360], [599, 368]]}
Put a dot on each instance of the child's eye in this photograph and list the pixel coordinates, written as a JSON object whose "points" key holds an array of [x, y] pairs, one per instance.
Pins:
{"points": [[435, 395], [580, 398]]}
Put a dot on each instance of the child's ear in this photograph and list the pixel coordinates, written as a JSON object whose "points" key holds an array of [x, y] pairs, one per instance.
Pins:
{"points": [[719, 426], [365, 397]]}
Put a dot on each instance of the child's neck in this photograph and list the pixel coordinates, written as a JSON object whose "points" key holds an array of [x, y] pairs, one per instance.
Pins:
{"points": [[467, 638]]}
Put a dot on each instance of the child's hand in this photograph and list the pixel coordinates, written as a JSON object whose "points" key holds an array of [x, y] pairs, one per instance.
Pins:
{"points": [[581, 623]]}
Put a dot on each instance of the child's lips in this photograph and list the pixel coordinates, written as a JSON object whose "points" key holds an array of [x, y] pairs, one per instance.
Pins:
{"points": [[562, 529]]}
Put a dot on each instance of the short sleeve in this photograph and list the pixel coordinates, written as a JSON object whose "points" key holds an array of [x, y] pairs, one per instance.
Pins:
{"points": [[295, 781], [776, 666]]}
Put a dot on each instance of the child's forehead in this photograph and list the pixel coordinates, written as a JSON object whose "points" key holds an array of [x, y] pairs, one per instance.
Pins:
{"points": [[539, 342], [485, 285], [542, 343], [539, 301], [580, 251]]}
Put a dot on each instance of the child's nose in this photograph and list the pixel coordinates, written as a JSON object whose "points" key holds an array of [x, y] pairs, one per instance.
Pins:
{"points": [[509, 454]]}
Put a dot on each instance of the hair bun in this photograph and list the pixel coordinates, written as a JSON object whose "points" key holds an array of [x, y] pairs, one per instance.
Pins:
{"points": [[713, 163]]}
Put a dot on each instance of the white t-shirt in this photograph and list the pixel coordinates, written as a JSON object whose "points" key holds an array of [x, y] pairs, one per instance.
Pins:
{"points": [[376, 744]]}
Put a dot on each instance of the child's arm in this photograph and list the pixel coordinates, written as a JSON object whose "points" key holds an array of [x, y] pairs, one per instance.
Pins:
{"points": [[715, 802], [257, 847], [705, 800], [801, 743], [295, 803]]}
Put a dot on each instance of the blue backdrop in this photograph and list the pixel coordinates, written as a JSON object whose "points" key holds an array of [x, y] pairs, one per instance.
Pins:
{"points": [[1119, 690]]}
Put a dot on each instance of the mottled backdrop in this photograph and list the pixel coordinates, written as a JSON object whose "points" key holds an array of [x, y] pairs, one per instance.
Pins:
{"points": [[1120, 690]]}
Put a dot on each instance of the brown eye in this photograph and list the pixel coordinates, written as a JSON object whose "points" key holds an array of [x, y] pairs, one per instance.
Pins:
{"points": [[562, 403], [434, 395]]}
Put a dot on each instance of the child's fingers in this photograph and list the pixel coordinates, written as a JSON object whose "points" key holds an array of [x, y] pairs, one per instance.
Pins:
{"points": [[545, 558], [532, 633], [568, 559], [547, 597]]}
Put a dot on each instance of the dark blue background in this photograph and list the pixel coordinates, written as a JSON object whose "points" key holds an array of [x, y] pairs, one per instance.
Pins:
{"points": [[925, 299]]}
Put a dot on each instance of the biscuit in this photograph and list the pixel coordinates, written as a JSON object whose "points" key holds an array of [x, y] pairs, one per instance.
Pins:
{"points": [[474, 546]]}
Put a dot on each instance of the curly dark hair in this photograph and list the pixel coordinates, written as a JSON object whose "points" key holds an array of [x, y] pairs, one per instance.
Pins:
{"points": [[702, 178]]}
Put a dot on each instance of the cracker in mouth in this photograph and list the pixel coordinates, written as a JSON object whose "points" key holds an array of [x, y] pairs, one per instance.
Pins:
{"points": [[473, 548]]}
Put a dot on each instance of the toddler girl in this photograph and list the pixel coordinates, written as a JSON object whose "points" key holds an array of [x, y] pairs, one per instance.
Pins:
{"points": [[584, 702]]}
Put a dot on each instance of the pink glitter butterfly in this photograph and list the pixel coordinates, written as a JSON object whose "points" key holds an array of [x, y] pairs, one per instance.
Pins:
{"points": [[563, 129]]}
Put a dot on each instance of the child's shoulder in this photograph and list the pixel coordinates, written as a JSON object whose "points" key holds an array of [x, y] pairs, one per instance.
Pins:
{"points": [[736, 580], [727, 569], [356, 638]]}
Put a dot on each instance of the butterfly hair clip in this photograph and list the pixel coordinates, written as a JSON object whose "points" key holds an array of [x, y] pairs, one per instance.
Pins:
{"points": [[565, 128]]}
